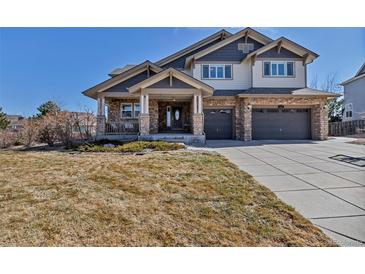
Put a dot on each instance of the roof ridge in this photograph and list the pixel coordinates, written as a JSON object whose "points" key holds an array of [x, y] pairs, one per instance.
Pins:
{"points": [[190, 48]]}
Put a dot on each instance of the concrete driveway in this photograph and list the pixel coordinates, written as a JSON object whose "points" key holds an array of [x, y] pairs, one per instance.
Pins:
{"points": [[329, 192]]}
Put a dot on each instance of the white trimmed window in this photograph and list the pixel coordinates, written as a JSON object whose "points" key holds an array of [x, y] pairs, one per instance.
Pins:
{"points": [[126, 110], [216, 71], [129, 110], [278, 69]]}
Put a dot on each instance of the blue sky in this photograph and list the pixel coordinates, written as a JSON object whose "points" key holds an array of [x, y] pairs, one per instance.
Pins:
{"points": [[40, 64]]}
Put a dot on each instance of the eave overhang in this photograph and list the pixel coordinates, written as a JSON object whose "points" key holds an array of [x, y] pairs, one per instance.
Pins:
{"points": [[147, 65], [282, 42]]}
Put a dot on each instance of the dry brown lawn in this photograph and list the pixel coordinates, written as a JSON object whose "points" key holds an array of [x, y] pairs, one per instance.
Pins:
{"points": [[158, 199]]}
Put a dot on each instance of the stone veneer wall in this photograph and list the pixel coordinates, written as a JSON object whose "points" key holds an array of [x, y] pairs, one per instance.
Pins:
{"points": [[153, 113], [115, 108], [319, 122], [319, 111], [198, 123], [242, 113]]}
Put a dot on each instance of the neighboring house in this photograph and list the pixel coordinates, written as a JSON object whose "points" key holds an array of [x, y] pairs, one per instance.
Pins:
{"points": [[354, 96], [15, 121], [240, 86]]}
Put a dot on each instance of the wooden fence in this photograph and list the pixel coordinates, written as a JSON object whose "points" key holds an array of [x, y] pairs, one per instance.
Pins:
{"points": [[346, 128]]}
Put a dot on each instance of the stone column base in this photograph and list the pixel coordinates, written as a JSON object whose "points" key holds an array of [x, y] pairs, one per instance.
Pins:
{"points": [[320, 122], [247, 122], [100, 125], [144, 124], [198, 123]]}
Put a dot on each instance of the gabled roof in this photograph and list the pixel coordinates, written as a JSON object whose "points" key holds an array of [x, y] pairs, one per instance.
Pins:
{"points": [[361, 70], [118, 71], [171, 72], [222, 34], [91, 92], [245, 32], [360, 74], [288, 44]]}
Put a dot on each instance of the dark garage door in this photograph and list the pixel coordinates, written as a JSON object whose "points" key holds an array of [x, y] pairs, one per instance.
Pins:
{"points": [[281, 124], [218, 123]]}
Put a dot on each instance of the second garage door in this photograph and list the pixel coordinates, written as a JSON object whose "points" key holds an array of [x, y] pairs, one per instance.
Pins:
{"points": [[218, 123], [281, 124]]}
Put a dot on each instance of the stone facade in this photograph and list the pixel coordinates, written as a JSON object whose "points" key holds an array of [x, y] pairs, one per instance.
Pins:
{"points": [[247, 121], [144, 124], [153, 112], [198, 123], [318, 106], [100, 124], [319, 123], [114, 109], [155, 121]]}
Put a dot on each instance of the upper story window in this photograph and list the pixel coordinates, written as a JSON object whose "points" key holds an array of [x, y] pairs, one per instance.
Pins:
{"points": [[278, 68], [216, 71]]}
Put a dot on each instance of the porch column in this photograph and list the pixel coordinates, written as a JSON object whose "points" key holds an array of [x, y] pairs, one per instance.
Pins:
{"points": [[195, 108], [146, 103], [198, 118], [141, 102], [200, 104], [100, 118], [144, 117]]}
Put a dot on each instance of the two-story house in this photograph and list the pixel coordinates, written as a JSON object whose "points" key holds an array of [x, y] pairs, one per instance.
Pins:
{"points": [[240, 86], [354, 96]]}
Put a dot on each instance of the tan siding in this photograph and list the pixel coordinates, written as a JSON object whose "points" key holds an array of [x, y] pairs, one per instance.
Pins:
{"points": [[298, 81]]}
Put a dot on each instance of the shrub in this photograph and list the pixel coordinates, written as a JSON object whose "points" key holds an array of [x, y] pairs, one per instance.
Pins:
{"points": [[8, 138], [132, 147]]}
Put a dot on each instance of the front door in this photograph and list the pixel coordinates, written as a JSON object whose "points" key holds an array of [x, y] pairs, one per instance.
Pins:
{"points": [[176, 118]]}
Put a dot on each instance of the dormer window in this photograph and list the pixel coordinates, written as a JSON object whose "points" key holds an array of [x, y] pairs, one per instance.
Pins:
{"points": [[278, 69], [216, 71]]}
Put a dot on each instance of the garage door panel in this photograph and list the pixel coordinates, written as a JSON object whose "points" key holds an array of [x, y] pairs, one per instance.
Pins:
{"points": [[281, 124], [218, 123]]}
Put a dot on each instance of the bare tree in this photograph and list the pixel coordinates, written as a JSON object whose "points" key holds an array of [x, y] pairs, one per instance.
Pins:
{"points": [[30, 130], [314, 82], [85, 123]]}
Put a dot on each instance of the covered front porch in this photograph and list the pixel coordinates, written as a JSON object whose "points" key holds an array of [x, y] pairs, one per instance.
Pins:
{"points": [[163, 107]]}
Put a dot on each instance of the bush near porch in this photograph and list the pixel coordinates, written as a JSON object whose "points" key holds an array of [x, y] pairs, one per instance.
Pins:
{"points": [[138, 146]]}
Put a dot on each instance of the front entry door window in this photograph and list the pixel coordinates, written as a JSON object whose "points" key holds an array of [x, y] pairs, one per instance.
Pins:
{"points": [[176, 118]]}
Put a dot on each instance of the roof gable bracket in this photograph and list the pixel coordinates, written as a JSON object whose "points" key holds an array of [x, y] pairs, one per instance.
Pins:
{"points": [[280, 44], [253, 59], [305, 59], [246, 36]]}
